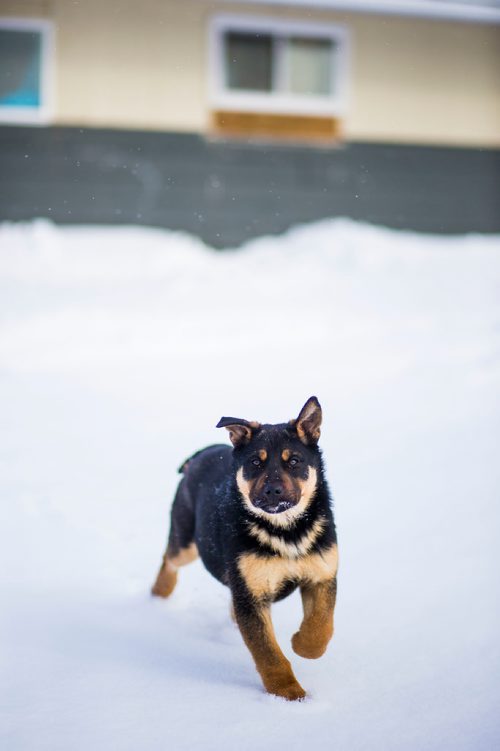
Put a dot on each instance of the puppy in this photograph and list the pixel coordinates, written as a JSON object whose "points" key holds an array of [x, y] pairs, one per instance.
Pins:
{"points": [[260, 518]]}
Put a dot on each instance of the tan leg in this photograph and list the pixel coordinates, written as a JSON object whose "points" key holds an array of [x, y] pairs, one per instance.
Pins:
{"points": [[316, 629], [166, 579], [275, 670], [167, 575]]}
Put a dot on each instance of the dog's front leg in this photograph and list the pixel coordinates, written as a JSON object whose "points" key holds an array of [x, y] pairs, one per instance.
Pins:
{"points": [[254, 621], [316, 629]]}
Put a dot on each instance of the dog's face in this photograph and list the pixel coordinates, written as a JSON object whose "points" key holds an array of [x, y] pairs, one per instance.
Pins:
{"points": [[277, 466]]}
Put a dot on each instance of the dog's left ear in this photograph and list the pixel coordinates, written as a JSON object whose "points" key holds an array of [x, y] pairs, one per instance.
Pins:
{"points": [[308, 423], [240, 431]]}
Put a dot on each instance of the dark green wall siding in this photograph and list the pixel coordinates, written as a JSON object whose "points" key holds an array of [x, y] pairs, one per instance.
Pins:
{"points": [[227, 192]]}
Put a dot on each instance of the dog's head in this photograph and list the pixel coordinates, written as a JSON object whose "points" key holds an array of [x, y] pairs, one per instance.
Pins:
{"points": [[277, 466]]}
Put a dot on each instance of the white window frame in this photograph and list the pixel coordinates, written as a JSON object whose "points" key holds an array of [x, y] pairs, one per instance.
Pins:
{"points": [[42, 113], [277, 102]]}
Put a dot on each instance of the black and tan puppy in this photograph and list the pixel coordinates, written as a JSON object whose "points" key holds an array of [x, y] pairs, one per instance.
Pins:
{"points": [[260, 517]]}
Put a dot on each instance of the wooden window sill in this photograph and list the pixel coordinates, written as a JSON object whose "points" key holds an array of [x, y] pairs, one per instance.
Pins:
{"points": [[261, 125]]}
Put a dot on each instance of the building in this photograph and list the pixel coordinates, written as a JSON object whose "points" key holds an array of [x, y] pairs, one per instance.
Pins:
{"points": [[230, 119]]}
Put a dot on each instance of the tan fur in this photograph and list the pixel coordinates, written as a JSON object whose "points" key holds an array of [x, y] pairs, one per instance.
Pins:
{"points": [[263, 455], [291, 487], [307, 424], [316, 630], [239, 434], [285, 455], [245, 489], [288, 549], [265, 576], [184, 556], [301, 433], [286, 518], [166, 579], [167, 575], [275, 670]]}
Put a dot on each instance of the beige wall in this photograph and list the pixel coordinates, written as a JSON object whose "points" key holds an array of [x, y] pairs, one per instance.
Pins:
{"points": [[429, 82], [131, 64]]}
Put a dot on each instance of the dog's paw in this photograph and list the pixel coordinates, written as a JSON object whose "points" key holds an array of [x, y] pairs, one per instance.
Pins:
{"points": [[165, 583], [307, 648], [290, 692]]}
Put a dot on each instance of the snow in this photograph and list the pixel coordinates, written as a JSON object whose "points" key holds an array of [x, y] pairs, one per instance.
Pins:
{"points": [[120, 349]]}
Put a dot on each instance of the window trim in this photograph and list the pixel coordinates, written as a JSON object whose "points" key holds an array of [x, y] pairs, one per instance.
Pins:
{"points": [[43, 113], [222, 98]]}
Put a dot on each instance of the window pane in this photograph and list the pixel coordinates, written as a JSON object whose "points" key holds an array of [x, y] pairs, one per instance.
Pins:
{"points": [[248, 61], [19, 68], [309, 65]]}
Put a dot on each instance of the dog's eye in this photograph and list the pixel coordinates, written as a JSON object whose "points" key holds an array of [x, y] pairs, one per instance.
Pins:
{"points": [[256, 462], [293, 461]]}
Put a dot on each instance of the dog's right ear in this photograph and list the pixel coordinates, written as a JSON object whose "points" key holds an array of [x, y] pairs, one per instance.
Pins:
{"points": [[240, 431]]}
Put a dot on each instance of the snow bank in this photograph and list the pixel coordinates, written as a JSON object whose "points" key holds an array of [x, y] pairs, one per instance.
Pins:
{"points": [[120, 348]]}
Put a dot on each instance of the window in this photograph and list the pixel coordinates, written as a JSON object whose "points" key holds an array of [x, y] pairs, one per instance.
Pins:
{"points": [[25, 47], [248, 61], [310, 66], [274, 66]]}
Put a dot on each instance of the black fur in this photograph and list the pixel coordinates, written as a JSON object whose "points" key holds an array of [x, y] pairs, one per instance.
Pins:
{"points": [[210, 511]]}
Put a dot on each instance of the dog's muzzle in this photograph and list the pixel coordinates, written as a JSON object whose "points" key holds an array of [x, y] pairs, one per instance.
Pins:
{"points": [[272, 506], [272, 500]]}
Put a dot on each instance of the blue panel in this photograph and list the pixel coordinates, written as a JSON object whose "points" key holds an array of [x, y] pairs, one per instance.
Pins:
{"points": [[20, 63]]}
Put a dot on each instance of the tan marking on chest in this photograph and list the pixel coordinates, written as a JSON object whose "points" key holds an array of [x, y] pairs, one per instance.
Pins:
{"points": [[264, 577], [288, 549]]}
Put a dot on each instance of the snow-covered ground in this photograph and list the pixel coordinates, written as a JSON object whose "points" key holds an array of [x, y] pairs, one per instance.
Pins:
{"points": [[120, 349]]}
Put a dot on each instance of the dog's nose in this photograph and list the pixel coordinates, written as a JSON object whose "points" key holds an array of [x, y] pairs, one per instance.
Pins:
{"points": [[272, 489]]}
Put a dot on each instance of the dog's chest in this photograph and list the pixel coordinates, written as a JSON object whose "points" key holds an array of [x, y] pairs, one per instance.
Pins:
{"points": [[266, 576]]}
